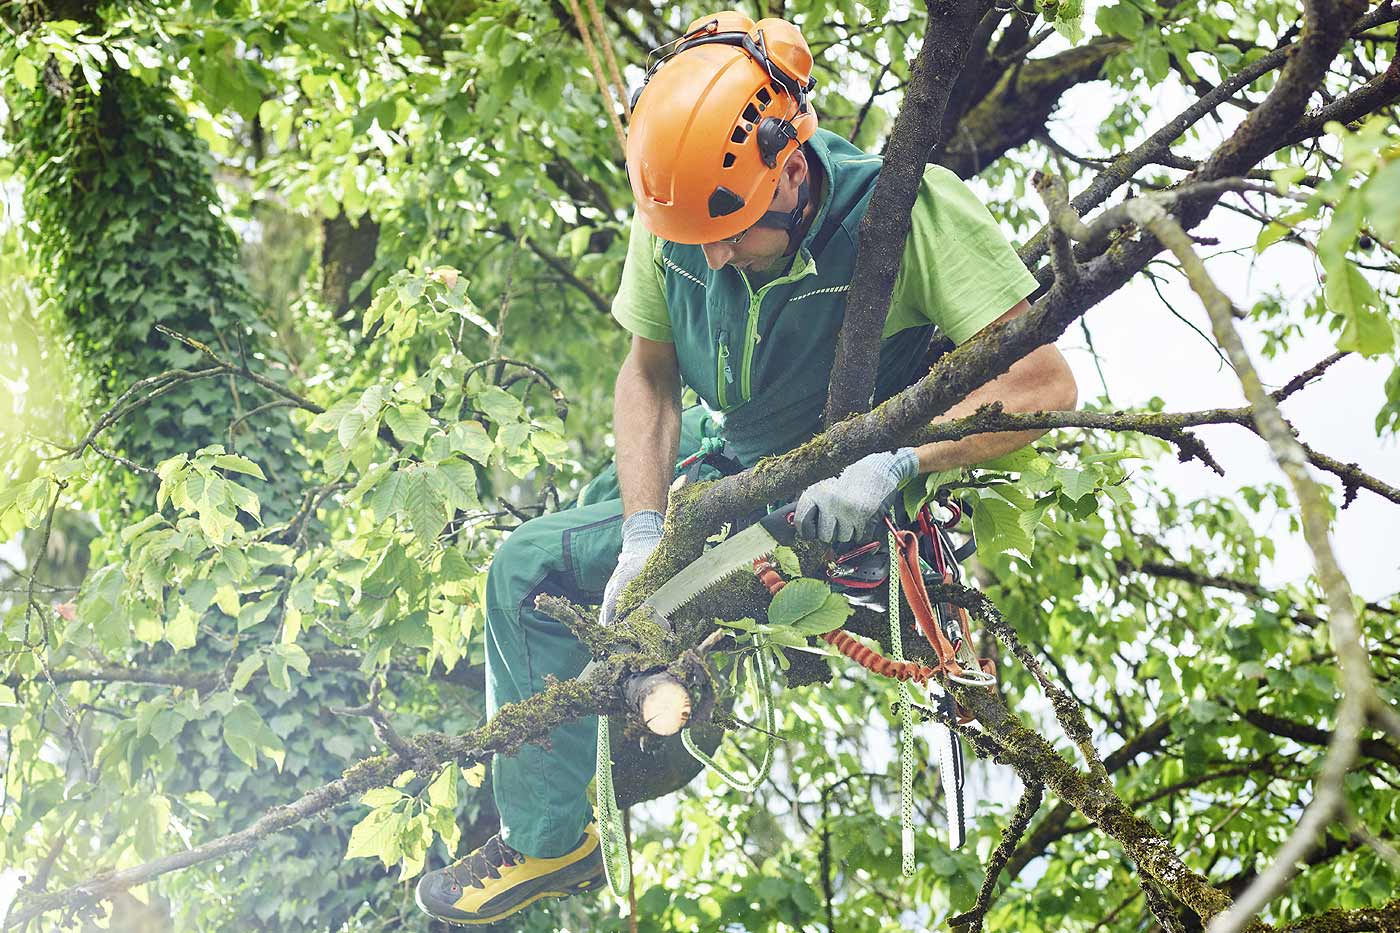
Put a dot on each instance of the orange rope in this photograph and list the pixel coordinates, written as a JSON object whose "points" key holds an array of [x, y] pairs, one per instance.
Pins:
{"points": [[612, 59], [844, 642], [598, 77]]}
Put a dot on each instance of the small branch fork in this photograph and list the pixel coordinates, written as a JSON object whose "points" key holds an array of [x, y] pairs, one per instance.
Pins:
{"points": [[1031, 797]]}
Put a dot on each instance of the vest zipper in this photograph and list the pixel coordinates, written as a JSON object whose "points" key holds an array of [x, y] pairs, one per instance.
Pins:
{"points": [[725, 375], [751, 335]]}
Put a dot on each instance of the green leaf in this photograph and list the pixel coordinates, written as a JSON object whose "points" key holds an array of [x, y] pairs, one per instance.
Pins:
{"points": [[470, 439], [1349, 294], [787, 561], [25, 73], [997, 527], [253, 613], [796, 600], [1288, 176], [1075, 484], [329, 420], [277, 672], [550, 445], [1270, 235], [1121, 19], [181, 631], [295, 657], [246, 669], [424, 506], [809, 607], [246, 734], [455, 479], [1027, 459], [388, 495], [409, 424], [1367, 332], [226, 598], [513, 438], [237, 464], [381, 796], [349, 428], [499, 405], [1340, 235], [443, 791], [1382, 195], [376, 836], [135, 531]]}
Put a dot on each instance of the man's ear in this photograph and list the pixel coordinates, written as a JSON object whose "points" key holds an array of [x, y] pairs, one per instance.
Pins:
{"points": [[795, 169]]}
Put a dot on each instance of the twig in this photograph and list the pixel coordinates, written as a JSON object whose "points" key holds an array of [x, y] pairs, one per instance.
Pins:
{"points": [[1031, 798], [1358, 688], [225, 366], [117, 458]]}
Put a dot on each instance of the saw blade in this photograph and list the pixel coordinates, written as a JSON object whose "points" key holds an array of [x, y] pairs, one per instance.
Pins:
{"points": [[729, 556]]}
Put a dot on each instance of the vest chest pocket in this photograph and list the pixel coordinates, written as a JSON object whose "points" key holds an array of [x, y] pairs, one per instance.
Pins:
{"points": [[724, 375]]}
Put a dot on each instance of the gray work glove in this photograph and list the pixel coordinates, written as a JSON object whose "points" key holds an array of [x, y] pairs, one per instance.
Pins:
{"points": [[641, 532], [844, 507]]}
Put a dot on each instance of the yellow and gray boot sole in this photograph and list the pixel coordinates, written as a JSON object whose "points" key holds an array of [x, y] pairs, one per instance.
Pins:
{"points": [[440, 895]]}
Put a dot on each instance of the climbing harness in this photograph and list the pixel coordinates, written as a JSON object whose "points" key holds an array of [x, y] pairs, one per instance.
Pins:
{"points": [[945, 627]]}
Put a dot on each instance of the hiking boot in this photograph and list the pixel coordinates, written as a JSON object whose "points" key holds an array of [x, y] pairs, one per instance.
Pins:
{"points": [[495, 881]]}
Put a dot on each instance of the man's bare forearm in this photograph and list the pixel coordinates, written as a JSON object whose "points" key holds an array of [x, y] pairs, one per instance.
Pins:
{"points": [[646, 431], [1042, 381]]}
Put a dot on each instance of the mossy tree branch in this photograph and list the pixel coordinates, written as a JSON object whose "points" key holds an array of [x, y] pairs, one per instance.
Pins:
{"points": [[885, 227]]}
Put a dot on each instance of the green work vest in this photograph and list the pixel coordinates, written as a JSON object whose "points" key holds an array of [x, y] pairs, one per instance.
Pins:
{"points": [[761, 360]]}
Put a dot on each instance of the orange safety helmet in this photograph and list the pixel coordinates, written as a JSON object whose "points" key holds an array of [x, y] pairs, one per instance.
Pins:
{"points": [[713, 124]]}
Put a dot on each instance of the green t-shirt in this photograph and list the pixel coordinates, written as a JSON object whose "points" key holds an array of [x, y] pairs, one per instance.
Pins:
{"points": [[958, 270]]}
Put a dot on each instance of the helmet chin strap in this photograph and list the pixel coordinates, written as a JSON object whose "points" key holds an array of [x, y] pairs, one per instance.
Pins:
{"points": [[788, 221]]}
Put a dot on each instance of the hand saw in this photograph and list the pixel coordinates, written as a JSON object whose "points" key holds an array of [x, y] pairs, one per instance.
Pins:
{"points": [[733, 554]]}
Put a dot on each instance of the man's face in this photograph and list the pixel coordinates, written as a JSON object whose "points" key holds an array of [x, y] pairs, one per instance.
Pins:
{"points": [[758, 248]]}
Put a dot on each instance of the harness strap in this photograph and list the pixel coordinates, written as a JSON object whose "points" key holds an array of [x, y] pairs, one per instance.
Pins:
{"points": [[906, 551]]}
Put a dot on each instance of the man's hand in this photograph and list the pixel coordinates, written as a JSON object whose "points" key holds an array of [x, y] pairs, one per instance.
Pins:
{"points": [[641, 533], [841, 508]]}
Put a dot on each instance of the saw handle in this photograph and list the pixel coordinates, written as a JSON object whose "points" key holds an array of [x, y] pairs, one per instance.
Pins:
{"points": [[781, 524]]}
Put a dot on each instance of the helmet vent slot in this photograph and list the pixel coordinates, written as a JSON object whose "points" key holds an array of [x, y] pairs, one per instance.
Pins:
{"points": [[728, 160], [739, 135], [751, 113], [764, 98]]}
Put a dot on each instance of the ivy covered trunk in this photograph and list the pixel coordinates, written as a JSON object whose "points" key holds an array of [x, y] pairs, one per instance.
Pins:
{"points": [[132, 235]]}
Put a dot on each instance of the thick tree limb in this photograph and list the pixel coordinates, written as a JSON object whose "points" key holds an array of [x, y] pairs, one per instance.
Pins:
{"points": [[885, 228], [1198, 578], [512, 727], [1168, 426], [1378, 749], [1017, 108], [1382, 919], [1159, 143]]}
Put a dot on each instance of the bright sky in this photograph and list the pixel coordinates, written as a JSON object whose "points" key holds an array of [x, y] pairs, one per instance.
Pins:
{"points": [[1145, 351]]}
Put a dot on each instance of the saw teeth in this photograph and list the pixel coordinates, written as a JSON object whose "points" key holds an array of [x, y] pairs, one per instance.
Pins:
{"points": [[741, 571]]}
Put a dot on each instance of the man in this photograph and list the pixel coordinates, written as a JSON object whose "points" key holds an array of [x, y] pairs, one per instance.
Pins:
{"points": [[741, 252]]}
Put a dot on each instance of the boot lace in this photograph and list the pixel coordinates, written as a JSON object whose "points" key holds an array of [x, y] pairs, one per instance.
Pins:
{"points": [[484, 863]]}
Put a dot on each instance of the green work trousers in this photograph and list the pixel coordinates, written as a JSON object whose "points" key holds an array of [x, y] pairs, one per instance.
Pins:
{"points": [[541, 792]]}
